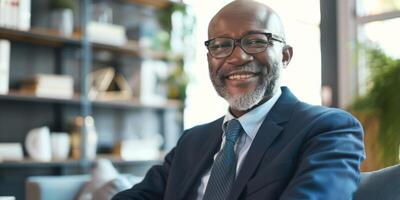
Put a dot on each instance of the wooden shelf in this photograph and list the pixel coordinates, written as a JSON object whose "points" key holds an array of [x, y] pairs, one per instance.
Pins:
{"points": [[32, 163], [38, 36], [133, 103], [48, 37], [18, 96], [133, 48], [160, 4]]}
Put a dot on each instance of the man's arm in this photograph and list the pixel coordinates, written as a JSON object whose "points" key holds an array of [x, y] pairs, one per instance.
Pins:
{"points": [[328, 167], [153, 185]]}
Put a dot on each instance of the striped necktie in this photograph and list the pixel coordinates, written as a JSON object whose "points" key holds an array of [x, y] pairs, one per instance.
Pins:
{"points": [[223, 171]]}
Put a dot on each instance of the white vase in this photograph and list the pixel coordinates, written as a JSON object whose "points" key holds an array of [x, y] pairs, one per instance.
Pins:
{"points": [[37, 144], [63, 21]]}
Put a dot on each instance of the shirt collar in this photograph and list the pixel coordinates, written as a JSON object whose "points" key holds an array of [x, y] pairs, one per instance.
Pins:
{"points": [[253, 118]]}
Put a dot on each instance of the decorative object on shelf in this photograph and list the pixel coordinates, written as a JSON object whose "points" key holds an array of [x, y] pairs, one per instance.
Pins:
{"points": [[62, 16], [37, 144], [49, 85], [15, 14], [80, 123], [60, 145], [100, 80], [76, 137], [105, 84], [5, 48], [153, 75], [91, 147], [381, 102], [11, 152]]}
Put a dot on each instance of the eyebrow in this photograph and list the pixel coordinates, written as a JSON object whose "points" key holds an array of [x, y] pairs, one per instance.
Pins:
{"points": [[245, 33]]}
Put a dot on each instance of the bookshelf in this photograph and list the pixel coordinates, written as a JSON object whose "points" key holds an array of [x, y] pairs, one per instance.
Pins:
{"points": [[41, 49], [133, 103], [38, 36], [48, 37]]}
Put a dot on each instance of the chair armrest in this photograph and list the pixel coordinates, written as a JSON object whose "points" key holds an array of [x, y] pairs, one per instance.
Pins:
{"points": [[381, 184], [54, 187]]}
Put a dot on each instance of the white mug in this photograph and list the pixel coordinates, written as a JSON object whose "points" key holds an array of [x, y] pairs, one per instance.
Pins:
{"points": [[60, 145], [37, 144]]}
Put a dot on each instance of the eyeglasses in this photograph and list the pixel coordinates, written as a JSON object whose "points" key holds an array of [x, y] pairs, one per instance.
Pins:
{"points": [[251, 43]]}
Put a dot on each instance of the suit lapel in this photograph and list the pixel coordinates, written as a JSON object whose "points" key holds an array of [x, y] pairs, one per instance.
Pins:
{"points": [[205, 154], [268, 132]]}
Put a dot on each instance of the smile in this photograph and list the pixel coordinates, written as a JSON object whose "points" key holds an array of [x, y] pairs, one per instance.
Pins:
{"points": [[243, 76]]}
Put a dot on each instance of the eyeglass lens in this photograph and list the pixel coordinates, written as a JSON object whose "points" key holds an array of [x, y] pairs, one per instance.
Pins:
{"points": [[251, 43]]}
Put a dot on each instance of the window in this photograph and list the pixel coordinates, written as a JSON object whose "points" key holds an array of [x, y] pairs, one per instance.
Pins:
{"points": [[378, 23]]}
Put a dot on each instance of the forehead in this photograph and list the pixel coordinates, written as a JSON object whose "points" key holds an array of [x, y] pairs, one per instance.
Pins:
{"points": [[236, 24]]}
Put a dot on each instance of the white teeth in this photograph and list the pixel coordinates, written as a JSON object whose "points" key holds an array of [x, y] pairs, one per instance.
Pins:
{"points": [[240, 76]]}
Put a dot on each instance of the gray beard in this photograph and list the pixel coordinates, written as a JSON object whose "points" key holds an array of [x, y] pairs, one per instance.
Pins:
{"points": [[245, 101]]}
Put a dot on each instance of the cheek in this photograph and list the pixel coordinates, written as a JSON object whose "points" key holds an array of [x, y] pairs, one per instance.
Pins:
{"points": [[213, 64], [269, 58]]}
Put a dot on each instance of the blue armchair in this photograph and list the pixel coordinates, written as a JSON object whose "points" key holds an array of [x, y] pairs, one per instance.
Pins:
{"points": [[55, 187], [71, 187], [383, 184]]}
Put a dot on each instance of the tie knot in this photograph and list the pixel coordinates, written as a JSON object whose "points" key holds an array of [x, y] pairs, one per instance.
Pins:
{"points": [[233, 130]]}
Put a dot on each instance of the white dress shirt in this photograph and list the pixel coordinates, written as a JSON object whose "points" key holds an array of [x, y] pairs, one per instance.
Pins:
{"points": [[250, 122]]}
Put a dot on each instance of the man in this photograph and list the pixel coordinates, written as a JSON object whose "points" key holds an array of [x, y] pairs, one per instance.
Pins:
{"points": [[269, 145]]}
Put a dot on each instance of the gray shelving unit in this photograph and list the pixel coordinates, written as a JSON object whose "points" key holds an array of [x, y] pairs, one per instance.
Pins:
{"points": [[40, 51]]}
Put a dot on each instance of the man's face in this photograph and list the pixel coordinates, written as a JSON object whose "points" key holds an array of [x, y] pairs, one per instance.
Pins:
{"points": [[244, 79]]}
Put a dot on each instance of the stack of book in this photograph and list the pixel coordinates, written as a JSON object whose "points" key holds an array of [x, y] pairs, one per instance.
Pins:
{"points": [[15, 14], [49, 85]]}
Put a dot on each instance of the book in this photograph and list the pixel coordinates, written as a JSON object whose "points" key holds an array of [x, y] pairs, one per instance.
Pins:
{"points": [[11, 152], [24, 15], [104, 33], [49, 85], [15, 14], [5, 48], [47, 92], [50, 81]]}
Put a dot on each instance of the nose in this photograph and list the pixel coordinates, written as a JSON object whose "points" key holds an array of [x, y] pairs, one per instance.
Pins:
{"points": [[238, 56]]}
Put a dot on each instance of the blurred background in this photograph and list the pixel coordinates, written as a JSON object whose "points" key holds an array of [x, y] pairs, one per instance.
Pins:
{"points": [[120, 80]]}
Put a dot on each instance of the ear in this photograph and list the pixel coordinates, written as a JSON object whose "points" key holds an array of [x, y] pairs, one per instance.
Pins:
{"points": [[287, 53]]}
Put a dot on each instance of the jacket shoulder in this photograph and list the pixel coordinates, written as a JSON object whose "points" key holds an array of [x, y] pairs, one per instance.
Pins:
{"points": [[321, 112], [203, 130]]}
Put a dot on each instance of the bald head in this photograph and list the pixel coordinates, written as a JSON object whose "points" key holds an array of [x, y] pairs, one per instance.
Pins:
{"points": [[261, 15]]}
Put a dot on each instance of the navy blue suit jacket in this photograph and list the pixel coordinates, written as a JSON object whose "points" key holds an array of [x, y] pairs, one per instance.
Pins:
{"points": [[300, 152]]}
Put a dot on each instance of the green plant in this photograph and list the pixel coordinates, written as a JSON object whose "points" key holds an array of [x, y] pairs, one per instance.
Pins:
{"points": [[177, 81], [62, 4], [383, 100], [165, 19]]}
